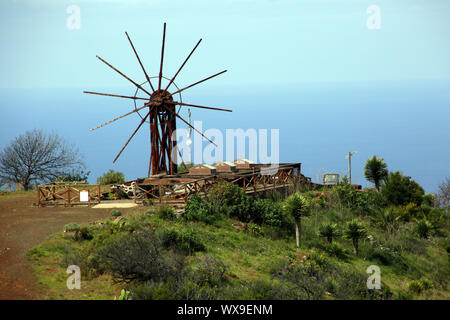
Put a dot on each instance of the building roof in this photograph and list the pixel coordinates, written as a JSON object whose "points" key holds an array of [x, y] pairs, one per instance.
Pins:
{"points": [[241, 160], [203, 165], [222, 163]]}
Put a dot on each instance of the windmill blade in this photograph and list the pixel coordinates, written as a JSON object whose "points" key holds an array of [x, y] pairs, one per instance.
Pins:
{"points": [[137, 56], [196, 106], [122, 116], [162, 57], [136, 84], [215, 75], [115, 95], [142, 122], [173, 79], [190, 126]]}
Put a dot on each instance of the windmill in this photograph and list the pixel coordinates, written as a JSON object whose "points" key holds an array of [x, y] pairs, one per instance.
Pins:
{"points": [[159, 108]]}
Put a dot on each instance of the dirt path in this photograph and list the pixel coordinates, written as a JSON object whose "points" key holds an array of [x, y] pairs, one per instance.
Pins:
{"points": [[21, 228]]}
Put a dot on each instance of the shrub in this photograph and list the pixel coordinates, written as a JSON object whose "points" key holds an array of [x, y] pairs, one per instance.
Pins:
{"points": [[336, 249], [267, 212], [166, 213], [401, 190], [423, 228], [429, 199], [197, 209], [209, 271], [138, 257], [111, 177], [85, 233], [115, 213], [229, 199], [416, 286], [329, 231], [72, 227], [254, 229], [387, 219], [186, 241]]}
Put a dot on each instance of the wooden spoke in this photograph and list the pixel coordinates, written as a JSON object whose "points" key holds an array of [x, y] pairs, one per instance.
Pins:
{"points": [[115, 95], [196, 106], [215, 75], [136, 84], [190, 125], [137, 56], [122, 116], [162, 57], [129, 139], [173, 79]]}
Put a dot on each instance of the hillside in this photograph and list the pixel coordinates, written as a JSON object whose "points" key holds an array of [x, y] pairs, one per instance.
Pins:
{"points": [[230, 246]]}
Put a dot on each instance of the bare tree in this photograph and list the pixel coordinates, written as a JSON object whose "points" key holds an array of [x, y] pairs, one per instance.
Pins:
{"points": [[37, 157], [444, 193]]}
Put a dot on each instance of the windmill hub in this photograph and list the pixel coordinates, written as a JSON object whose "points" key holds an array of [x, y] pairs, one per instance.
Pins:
{"points": [[159, 97]]}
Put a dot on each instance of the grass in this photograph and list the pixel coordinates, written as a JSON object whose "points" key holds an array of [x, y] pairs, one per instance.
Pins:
{"points": [[262, 262]]}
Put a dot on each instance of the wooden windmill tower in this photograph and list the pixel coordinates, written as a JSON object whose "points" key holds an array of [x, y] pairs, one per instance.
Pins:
{"points": [[159, 111]]}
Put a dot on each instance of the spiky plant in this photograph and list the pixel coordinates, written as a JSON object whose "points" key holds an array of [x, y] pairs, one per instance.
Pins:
{"points": [[298, 206], [375, 171], [355, 230], [329, 231]]}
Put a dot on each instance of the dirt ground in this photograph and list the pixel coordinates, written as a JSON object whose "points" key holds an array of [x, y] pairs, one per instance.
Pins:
{"points": [[22, 227]]}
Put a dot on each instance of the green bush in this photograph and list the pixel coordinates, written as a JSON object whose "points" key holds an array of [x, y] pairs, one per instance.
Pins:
{"points": [[72, 227], [418, 286], [387, 219], [166, 213], [186, 241], [267, 212], [85, 233], [115, 213], [254, 229], [423, 228], [229, 199], [198, 209], [111, 177], [401, 190]]}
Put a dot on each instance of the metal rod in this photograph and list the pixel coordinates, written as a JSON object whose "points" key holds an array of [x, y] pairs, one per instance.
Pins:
{"points": [[197, 106], [198, 82], [136, 84], [162, 57], [173, 79], [191, 126], [143, 120], [137, 56], [122, 116], [115, 95]]}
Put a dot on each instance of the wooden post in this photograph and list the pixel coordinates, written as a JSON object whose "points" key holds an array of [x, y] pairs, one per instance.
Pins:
{"points": [[99, 193], [39, 196], [68, 195]]}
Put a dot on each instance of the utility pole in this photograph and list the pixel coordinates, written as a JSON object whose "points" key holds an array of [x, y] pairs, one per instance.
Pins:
{"points": [[189, 140], [349, 156]]}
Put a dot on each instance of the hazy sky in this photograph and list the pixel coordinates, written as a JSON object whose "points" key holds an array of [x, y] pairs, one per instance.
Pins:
{"points": [[291, 65]]}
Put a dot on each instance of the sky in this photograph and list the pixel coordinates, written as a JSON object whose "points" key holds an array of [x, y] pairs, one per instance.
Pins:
{"points": [[317, 70]]}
